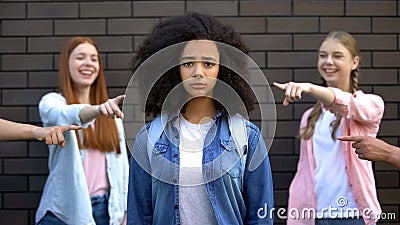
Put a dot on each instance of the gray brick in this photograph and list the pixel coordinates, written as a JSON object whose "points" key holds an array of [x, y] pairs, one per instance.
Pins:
{"points": [[283, 163], [26, 27], [158, 8], [292, 25], [291, 59], [300, 109], [38, 149], [377, 76], [15, 217], [267, 42], [25, 166], [265, 8], [388, 93], [349, 24], [257, 77], [131, 26], [386, 59], [27, 62], [114, 43], [388, 196], [13, 149], [80, 27], [282, 180], [284, 112], [23, 97], [46, 44], [366, 60], [386, 25], [308, 41], [216, 8], [13, 79], [13, 183], [118, 78], [138, 40], [391, 111], [36, 183], [246, 24], [387, 179], [281, 197], [389, 128], [287, 129], [119, 60], [281, 146], [21, 200], [33, 115], [12, 45], [16, 114], [307, 75], [12, 10], [317, 8], [278, 75], [259, 58], [43, 79], [371, 8], [53, 10], [377, 42], [106, 9]]}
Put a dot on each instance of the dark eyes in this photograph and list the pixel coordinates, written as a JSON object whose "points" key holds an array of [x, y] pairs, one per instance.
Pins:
{"points": [[206, 64]]}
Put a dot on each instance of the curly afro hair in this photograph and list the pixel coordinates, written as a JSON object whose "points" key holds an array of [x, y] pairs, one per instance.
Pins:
{"points": [[179, 29]]}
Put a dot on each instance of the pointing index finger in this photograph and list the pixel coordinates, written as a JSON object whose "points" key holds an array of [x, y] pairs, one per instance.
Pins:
{"points": [[279, 85], [351, 138]]}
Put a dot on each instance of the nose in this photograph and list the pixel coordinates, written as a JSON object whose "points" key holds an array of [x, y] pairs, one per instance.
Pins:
{"points": [[329, 60], [88, 61], [198, 70]]}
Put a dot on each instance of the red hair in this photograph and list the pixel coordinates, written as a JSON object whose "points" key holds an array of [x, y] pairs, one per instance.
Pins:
{"points": [[105, 135]]}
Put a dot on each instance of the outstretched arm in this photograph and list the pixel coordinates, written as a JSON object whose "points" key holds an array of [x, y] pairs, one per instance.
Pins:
{"points": [[294, 91], [19, 131], [371, 148], [109, 108]]}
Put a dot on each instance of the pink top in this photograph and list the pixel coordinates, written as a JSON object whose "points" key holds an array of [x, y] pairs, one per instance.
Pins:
{"points": [[95, 167], [362, 114]]}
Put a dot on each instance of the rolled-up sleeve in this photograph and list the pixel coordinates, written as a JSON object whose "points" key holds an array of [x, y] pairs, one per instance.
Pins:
{"points": [[361, 107], [54, 111]]}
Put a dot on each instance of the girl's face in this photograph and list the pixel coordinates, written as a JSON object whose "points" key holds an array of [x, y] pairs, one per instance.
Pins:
{"points": [[199, 66], [84, 65], [335, 64]]}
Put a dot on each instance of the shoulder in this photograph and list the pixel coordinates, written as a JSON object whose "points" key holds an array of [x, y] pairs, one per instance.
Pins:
{"points": [[372, 97], [53, 97]]}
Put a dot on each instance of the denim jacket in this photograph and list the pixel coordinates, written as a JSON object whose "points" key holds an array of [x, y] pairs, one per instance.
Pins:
{"points": [[66, 193], [154, 200]]}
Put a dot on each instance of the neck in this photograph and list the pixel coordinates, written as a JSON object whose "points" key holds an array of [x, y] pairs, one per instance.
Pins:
{"points": [[200, 110], [83, 95], [342, 86]]}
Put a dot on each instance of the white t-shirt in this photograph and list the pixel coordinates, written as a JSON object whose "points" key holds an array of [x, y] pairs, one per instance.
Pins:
{"points": [[194, 205], [333, 194]]}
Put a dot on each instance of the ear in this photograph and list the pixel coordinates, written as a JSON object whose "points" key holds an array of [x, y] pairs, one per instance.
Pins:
{"points": [[356, 61]]}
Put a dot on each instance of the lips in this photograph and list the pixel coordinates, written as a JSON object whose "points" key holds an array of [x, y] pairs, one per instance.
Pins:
{"points": [[198, 85]]}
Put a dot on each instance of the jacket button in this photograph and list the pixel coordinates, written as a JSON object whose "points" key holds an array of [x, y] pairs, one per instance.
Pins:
{"points": [[175, 155]]}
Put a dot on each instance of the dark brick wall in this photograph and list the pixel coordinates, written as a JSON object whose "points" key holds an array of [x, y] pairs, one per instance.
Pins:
{"points": [[283, 37]]}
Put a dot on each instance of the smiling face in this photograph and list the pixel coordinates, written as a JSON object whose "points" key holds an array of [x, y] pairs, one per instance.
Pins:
{"points": [[335, 64], [199, 67], [84, 65]]}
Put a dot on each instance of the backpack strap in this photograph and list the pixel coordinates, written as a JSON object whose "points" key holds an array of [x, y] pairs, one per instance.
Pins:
{"points": [[155, 130], [238, 129]]}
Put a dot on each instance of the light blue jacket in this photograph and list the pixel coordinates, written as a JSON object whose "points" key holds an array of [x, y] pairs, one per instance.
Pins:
{"points": [[66, 193], [154, 200]]}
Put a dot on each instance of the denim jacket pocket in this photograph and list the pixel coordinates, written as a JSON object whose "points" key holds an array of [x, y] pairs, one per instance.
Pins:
{"points": [[157, 161], [230, 160]]}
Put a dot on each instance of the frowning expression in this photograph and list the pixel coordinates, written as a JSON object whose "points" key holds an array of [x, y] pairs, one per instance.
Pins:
{"points": [[199, 67]]}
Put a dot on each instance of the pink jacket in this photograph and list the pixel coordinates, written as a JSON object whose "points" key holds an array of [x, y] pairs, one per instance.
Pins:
{"points": [[362, 114]]}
